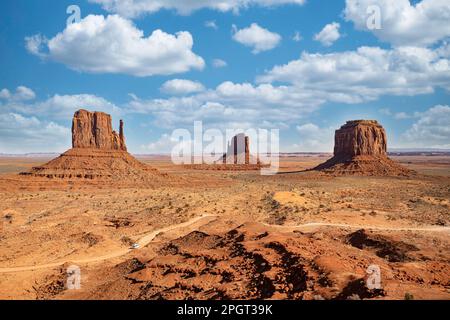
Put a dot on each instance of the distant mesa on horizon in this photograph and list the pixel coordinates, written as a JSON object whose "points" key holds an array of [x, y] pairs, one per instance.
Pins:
{"points": [[236, 158], [238, 150]]}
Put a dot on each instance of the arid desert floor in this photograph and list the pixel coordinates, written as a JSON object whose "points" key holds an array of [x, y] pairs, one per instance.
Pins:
{"points": [[228, 235]]}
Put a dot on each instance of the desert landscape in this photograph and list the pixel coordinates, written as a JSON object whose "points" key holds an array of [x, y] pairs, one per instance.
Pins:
{"points": [[217, 158], [144, 228]]}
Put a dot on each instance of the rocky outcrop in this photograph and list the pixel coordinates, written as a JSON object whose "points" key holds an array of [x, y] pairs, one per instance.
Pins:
{"points": [[93, 164], [238, 151], [361, 149], [361, 137], [94, 130], [237, 157], [122, 144], [98, 153]]}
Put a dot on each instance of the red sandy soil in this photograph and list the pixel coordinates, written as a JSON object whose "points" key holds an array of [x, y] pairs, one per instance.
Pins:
{"points": [[224, 234], [224, 167]]}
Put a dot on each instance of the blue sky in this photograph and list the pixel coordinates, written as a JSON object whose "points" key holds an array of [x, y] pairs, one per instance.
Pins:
{"points": [[304, 68]]}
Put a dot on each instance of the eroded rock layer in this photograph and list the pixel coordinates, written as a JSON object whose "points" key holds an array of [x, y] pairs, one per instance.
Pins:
{"points": [[90, 163], [360, 138], [361, 149], [98, 153], [255, 262], [238, 151], [94, 130]]}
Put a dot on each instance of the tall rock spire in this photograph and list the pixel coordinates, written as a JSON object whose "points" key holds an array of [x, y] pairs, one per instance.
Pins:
{"points": [[122, 137]]}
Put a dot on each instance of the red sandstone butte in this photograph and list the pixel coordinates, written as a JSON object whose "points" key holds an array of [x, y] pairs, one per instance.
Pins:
{"points": [[94, 130], [97, 152], [238, 151], [361, 149]]}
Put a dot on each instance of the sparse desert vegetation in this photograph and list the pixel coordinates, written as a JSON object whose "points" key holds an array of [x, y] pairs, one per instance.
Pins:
{"points": [[288, 236]]}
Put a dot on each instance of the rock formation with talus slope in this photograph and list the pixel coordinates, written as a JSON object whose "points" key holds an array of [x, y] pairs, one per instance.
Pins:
{"points": [[361, 149], [97, 152], [236, 158]]}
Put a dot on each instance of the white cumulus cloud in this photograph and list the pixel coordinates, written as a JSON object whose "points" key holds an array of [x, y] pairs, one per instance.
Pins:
{"points": [[21, 134], [134, 8], [256, 37], [313, 138], [114, 45], [36, 45], [28, 125], [329, 34], [22, 93], [232, 105], [181, 86], [60, 107], [431, 130], [367, 73], [402, 22], [165, 144]]}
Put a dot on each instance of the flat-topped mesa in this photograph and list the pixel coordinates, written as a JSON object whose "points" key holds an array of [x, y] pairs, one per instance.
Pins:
{"points": [[94, 130], [361, 149], [360, 138]]}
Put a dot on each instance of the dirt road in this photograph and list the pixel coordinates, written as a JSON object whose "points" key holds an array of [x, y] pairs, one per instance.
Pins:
{"points": [[147, 239], [144, 241]]}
